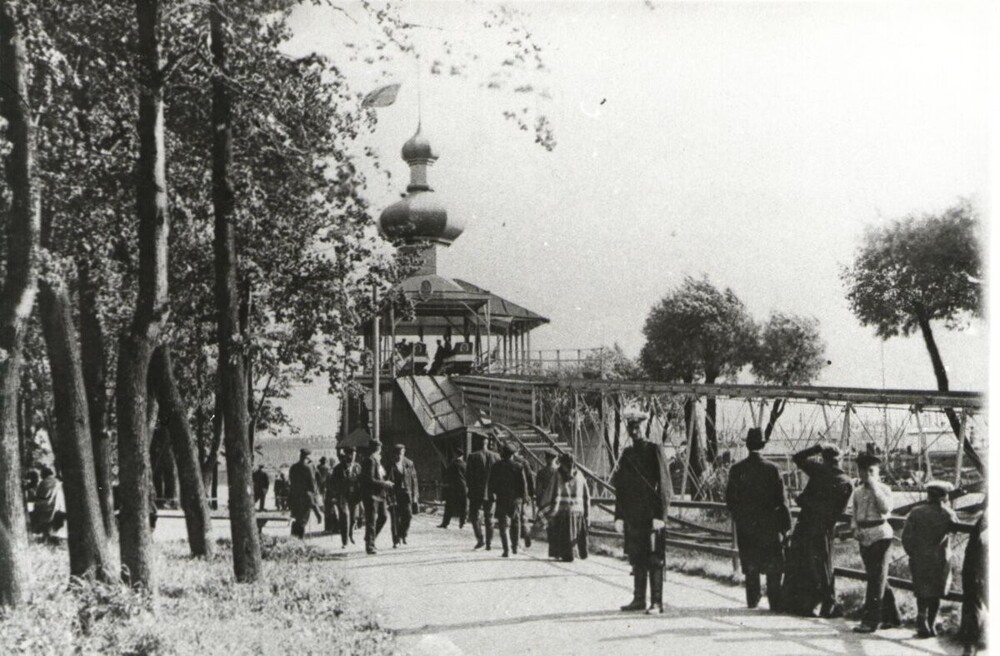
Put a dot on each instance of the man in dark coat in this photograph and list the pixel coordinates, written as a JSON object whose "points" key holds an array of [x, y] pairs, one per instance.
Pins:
{"points": [[376, 489], [507, 490], [405, 494], [755, 496], [281, 492], [809, 563], [302, 493], [642, 500], [261, 483], [477, 474], [343, 492], [529, 482], [544, 496], [456, 491]]}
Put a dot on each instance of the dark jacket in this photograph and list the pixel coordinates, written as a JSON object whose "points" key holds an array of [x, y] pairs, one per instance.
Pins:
{"points": [[454, 478], [261, 481], [301, 490], [543, 481], [405, 480], [755, 495], [345, 482], [826, 495], [529, 476], [374, 480], [507, 486], [477, 472], [642, 484]]}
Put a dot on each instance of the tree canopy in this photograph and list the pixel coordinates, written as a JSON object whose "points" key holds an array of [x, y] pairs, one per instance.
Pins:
{"points": [[790, 350]]}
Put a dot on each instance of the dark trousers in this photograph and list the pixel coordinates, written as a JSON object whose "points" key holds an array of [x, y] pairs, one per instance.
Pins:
{"points": [[375, 518], [509, 523], [455, 506], [752, 576], [259, 496], [876, 560], [477, 526], [346, 516], [402, 514]]}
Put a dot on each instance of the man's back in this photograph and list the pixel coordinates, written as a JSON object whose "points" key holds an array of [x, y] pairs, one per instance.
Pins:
{"points": [[301, 479], [507, 481], [477, 473], [755, 492]]}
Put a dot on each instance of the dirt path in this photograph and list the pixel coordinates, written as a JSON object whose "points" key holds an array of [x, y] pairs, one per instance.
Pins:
{"points": [[443, 598]]}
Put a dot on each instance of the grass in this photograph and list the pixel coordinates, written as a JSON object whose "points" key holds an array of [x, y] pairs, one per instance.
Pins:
{"points": [[302, 605]]}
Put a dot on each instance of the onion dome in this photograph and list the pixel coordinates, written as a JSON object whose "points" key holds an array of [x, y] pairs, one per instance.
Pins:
{"points": [[419, 216]]}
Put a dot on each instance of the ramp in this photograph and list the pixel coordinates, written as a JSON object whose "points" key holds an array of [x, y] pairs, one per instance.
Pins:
{"points": [[438, 403]]}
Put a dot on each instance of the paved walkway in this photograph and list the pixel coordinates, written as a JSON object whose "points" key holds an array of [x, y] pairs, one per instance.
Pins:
{"points": [[442, 598]]}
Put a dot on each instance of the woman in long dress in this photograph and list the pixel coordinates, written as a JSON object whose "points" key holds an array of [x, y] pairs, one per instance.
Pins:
{"points": [[567, 505], [927, 541]]}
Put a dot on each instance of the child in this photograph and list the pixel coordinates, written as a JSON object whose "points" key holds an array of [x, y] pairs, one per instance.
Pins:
{"points": [[927, 541]]}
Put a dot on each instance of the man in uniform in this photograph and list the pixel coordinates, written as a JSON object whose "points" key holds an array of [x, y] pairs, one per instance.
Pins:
{"points": [[375, 489], [343, 491], [261, 483], [755, 496], [302, 493], [642, 499], [478, 475], [456, 491], [406, 494], [809, 566], [507, 490]]}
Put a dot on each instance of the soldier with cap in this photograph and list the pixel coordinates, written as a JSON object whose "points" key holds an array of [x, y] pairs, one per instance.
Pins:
{"points": [[376, 489], [405, 494], [642, 500], [343, 491], [927, 541], [302, 490], [507, 489], [755, 496], [477, 473], [809, 565], [456, 491]]}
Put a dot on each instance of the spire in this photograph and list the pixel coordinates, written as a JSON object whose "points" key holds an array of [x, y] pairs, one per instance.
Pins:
{"points": [[418, 153]]}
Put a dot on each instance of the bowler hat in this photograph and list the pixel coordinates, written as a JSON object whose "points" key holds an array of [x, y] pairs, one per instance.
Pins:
{"points": [[506, 449], [755, 439]]}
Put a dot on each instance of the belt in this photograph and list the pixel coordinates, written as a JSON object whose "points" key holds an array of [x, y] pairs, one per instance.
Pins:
{"points": [[872, 524]]}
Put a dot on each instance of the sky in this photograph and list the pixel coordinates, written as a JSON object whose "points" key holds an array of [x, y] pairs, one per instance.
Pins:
{"points": [[749, 142]]}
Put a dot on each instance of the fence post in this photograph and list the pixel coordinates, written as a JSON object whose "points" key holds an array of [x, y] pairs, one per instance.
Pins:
{"points": [[963, 424], [736, 546]]}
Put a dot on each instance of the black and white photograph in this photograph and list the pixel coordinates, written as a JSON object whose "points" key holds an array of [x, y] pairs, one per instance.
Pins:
{"points": [[476, 327]]}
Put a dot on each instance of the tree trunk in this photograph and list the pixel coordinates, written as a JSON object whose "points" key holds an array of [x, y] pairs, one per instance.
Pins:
{"points": [[88, 546], [777, 408], [711, 434], [136, 348], [197, 516], [95, 376], [232, 350], [17, 297], [942, 380]]}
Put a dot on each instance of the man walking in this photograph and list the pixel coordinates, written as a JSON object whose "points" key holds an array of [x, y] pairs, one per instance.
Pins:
{"points": [[261, 483], [406, 494], [544, 496], [302, 491], [375, 490], [507, 490], [478, 475], [809, 567], [872, 506], [343, 492], [642, 500], [456, 491], [529, 497], [755, 496]]}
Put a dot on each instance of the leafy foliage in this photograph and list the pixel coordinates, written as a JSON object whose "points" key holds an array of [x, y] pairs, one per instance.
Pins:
{"points": [[790, 350], [917, 268]]}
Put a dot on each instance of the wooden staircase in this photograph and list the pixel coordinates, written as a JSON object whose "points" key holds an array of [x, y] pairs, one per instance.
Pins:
{"points": [[534, 439]]}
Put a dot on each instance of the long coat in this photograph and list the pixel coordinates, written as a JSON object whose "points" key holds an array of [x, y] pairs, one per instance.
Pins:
{"points": [[477, 473], [927, 541], [642, 493], [755, 495], [456, 487], [507, 486], [302, 491]]}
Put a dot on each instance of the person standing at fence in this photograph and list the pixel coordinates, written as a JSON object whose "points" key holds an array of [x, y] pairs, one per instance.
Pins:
{"points": [[567, 507], [302, 493], [755, 496], [342, 493], [642, 501], [405, 492], [375, 491], [478, 475], [927, 541], [507, 489], [456, 491], [261, 483], [809, 565], [872, 506]]}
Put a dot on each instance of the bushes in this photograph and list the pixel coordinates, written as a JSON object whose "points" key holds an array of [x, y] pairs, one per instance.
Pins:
{"points": [[301, 605]]}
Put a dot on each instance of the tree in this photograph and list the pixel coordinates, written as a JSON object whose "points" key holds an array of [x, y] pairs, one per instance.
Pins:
{"points": [[917, 270], [17, 296], [790, 352], [698, 332]]}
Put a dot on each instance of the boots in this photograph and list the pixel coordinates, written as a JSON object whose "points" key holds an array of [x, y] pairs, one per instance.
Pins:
{"points": [[655, 591], [753, 589], [505, 541], [932, 610], [922, 630], [639, 590]]}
